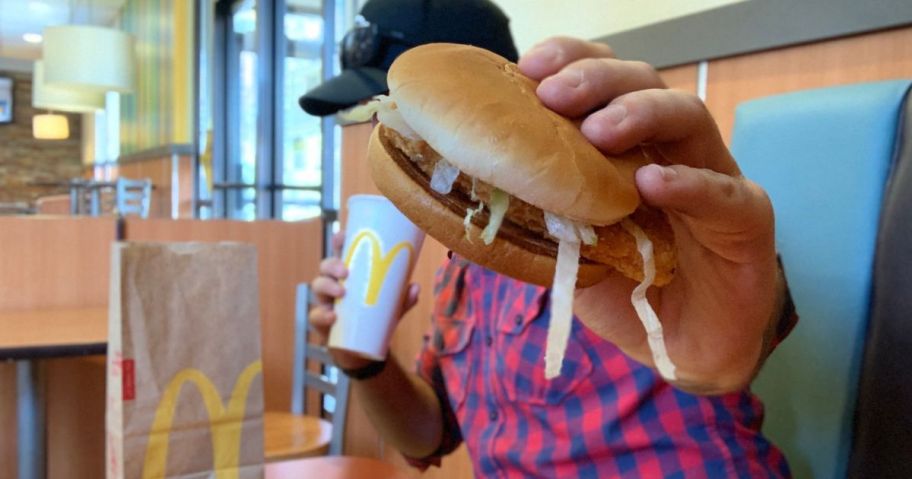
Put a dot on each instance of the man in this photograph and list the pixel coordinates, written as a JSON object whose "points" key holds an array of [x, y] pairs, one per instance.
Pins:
{"points": [[612, 415]]}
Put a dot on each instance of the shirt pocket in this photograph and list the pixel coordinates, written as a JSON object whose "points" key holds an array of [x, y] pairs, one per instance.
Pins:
{"points": [[454, 326], [523, 331]]}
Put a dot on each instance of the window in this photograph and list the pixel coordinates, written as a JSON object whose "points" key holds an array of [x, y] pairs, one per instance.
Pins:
{"points": [[302, 137], [268, 156]]}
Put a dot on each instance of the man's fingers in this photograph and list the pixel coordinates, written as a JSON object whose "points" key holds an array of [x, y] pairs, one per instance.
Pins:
{"points": [[334, 268], [730, 215], [551, 55], [327, 290], [338, 240], [590, 83], [321, 319], [677, 123]]}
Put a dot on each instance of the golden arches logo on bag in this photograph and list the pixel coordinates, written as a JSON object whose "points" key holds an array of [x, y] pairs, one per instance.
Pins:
{"points": [[380, 262], [224, 422]]}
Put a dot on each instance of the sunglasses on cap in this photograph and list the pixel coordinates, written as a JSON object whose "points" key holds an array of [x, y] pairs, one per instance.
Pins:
{"points": [[365, 44]]}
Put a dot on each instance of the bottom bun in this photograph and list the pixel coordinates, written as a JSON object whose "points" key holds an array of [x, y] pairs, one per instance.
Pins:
{"points": [[418, 203]]}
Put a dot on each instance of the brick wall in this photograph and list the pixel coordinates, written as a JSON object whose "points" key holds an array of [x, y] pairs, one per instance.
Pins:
{"points": [[23, 159]]}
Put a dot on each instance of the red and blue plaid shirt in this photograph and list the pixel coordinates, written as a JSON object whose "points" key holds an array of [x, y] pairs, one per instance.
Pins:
{"points": [[606, 415]]}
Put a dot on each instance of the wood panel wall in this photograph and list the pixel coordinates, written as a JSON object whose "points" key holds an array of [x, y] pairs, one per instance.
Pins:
{"points": [[876, 56], [38, 267], [870, 57], [682, 78]]}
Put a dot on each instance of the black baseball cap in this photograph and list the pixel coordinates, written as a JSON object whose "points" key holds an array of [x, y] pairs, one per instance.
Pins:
{"points": [[389, 27]]}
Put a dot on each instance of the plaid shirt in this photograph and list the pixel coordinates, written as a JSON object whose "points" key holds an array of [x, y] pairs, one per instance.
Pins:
{"points": [[606, 415]]}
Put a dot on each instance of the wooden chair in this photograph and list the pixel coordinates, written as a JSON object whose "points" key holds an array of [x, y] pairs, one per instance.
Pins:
{"points": [[91, 197], [84, 200], [293, 434]]}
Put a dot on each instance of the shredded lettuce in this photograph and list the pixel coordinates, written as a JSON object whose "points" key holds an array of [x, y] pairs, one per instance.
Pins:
{"points": [[568, 253], [363, 113], [647, 315], [387, 112], [467, 221], [499, 203], [586, 234], [569, 234]]}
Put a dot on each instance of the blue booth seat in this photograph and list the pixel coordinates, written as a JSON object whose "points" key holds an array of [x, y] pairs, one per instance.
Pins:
{"points": [[838, 391]]}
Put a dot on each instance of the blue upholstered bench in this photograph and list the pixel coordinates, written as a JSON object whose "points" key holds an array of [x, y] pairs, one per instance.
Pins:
{"points": [[836, 163]]}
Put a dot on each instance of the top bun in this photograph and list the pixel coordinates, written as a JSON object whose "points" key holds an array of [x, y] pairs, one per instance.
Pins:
{"points": [[482, 114]]}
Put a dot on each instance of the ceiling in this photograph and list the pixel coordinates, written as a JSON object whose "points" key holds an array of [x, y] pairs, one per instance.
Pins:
{"points": [[18, 17]]}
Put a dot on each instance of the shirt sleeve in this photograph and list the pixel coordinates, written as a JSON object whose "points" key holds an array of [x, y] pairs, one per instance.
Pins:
{"points": [[428, 369]]}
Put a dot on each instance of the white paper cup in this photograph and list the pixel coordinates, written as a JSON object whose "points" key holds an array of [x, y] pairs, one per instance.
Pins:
{"points": [[381, 247]]}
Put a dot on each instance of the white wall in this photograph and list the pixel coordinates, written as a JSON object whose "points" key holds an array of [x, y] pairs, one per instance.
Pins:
{"points": [[535, 20]]}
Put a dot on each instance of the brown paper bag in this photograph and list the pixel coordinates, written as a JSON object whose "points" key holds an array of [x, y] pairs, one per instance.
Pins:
{"points": [[185, 390]]}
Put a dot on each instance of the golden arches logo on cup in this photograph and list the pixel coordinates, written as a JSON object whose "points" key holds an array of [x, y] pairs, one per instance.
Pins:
{"points": [[379, 261], [224, 422], [381, 249]]}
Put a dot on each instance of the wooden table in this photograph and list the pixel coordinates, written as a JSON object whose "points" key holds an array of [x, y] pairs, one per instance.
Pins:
{"points": [[28, 336], [335, 467], [53, 333]]}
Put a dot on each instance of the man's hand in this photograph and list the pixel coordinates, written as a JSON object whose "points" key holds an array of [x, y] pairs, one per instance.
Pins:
{"points": [[727, 287], [327, 288]]}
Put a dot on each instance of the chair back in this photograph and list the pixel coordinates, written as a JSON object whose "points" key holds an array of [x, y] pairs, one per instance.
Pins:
{"points": [[84, 200], [332, 385], [825, 157], [133, 197], [92, 197]]}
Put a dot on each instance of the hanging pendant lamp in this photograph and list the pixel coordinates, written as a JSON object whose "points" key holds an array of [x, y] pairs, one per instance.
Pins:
{"points": [[50, 127], [89, 58], [74, 100]]}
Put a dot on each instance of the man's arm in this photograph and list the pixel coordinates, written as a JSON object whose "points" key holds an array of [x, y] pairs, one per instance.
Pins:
{"points": [[403, 407]]}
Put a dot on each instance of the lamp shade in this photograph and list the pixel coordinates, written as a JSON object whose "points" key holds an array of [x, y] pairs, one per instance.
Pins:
{"points": [[75, 100], [50, 127], [89, 58]]}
